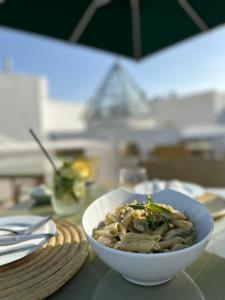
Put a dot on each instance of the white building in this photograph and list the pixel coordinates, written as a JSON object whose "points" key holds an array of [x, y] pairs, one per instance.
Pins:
{"points": [[119, 111], [22, 99], [25, 103], [62, 118], [201, 109]]}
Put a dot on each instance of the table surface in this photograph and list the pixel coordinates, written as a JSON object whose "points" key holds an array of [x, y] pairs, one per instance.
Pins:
{"points": [[204, 279]]}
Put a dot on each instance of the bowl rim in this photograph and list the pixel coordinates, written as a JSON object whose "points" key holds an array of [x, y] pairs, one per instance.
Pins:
{"points": [[134, 254]]}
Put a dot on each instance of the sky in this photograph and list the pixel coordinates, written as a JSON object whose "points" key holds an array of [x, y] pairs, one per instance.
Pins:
{"points": [[74, 72]]}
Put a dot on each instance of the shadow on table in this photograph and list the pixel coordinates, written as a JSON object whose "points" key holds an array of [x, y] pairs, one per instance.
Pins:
{"points": [[208, 272], [83, 284], [95, 281], [113, 286]]}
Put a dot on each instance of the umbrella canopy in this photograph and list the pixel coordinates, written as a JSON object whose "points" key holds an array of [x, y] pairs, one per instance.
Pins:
{"points": [[133, 28]]}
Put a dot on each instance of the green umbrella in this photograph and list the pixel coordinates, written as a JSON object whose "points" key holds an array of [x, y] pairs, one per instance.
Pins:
{"points": [[133, 28]]}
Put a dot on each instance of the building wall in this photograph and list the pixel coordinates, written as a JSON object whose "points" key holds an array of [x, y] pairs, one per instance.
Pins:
{"points": [[24, 103], [63, 117], [121, 132], [220, 108], [193, 110], [21, 98]]}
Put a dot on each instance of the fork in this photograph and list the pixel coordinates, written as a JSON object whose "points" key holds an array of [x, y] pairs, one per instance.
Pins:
{"points": [[28, 230]]}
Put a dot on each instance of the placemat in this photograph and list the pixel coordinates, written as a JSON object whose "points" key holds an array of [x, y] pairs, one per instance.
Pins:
{"points": [[42, 273], [214, 203]]}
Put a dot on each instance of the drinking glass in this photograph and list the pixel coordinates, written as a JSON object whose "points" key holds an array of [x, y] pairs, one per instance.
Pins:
{"points": [[68, 190], [129, 177]]}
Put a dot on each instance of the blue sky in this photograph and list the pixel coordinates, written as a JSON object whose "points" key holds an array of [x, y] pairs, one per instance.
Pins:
{"points": [[75, 72]]}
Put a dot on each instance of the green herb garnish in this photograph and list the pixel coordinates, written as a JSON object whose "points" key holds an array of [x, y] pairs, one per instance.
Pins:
{"points": [[157, 209], [138, 206], [64, 182], [151, 221], [155, 213], [149, 200]]}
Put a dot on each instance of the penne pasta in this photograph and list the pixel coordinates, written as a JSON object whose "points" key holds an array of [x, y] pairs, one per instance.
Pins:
{"points": [[107, 241], [189, 240], [177, 215], [164, 250], [145, 228], [161, 230], [131, 236], [182, 224], [178, 247], [173, 232], [108, 232], [110, 218], [127, 220], [139, 225], [102, 232], [113, 228], [169, 243], [143, 247]]}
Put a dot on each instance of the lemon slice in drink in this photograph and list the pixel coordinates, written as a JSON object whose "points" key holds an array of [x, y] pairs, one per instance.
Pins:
{"points": [[82, 167]]}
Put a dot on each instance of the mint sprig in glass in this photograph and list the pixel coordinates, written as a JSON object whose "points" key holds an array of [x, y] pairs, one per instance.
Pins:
{"points": [[68, 190]]}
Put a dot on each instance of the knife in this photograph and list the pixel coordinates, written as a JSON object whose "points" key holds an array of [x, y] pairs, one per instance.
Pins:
{"points": [[19, 249], [28, 228], [11, 240]]}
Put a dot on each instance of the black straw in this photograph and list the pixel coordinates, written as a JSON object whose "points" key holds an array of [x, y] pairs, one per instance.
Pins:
{"points": [[44, 151]]}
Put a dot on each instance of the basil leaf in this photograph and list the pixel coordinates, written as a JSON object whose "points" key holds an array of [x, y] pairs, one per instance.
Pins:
{"points": [[156, 208], [138, 206]]}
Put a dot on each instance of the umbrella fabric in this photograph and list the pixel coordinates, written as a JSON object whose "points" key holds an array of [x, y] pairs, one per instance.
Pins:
{"points": [[158, 23]]}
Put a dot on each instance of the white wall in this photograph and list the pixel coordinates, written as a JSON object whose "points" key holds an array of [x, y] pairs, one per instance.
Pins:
{"points": [[220, 108], [146, 138], [21, 98], [193, 110], [63, 116]]}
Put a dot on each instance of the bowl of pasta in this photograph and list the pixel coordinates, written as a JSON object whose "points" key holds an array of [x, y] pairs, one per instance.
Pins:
{"points": [[148, 239]]}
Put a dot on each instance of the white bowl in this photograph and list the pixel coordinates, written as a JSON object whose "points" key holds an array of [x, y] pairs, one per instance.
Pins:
{"points": [[149, 268]]}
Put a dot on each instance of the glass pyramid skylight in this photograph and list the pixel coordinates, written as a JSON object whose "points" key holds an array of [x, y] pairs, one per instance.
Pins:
{"points": [[118, 96]]}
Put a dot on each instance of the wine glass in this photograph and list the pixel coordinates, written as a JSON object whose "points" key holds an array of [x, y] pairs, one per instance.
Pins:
{"points": [[130, 177]]}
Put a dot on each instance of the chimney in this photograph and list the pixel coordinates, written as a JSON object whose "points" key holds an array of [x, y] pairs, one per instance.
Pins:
{"points": [[8, 65]]}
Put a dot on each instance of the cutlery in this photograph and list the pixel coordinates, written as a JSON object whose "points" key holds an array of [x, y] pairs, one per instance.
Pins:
{"points": [[16, 239], [19, 249], [27, 230]]}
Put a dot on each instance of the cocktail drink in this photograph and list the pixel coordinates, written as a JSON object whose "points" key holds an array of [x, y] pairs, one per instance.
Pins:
{"points": [[68, 190]]}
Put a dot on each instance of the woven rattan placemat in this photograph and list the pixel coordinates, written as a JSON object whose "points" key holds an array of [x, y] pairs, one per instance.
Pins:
{"points": [[214, 203], [42, 273]]}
